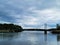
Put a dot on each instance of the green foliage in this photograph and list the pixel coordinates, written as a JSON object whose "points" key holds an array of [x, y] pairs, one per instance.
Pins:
{"points": [[11, 27]]}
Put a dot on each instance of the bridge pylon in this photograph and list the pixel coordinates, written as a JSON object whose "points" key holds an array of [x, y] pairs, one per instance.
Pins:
{"points": [[45, 27]]}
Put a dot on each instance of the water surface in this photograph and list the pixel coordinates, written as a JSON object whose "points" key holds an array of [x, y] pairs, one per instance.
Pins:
{"points": [[29, 38]]}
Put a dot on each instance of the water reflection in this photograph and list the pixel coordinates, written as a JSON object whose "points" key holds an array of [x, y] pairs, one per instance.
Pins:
{"points": [[7, 36], [58, 37], [45, 36], [29, 38]]}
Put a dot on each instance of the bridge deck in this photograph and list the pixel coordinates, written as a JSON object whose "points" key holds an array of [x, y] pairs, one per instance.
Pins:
{"points": [[45, 30], [36, 30]]}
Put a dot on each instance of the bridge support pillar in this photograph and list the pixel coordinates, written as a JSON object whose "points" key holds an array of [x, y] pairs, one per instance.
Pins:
{"points": [[45, 32]]}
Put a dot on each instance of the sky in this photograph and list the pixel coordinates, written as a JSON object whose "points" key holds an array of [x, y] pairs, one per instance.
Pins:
{"points": [[30, 13]]}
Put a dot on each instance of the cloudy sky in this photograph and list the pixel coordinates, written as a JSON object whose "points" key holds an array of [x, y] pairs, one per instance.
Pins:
{"points": [[30, 13]]}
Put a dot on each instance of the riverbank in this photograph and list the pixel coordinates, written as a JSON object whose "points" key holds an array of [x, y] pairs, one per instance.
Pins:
{"points": [[8, 31], [56, 32]]}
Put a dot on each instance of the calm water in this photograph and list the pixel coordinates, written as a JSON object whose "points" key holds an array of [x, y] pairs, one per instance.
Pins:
{"points": [[29, 38]]}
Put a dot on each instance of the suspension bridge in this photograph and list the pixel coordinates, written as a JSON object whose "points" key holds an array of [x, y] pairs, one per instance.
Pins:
{"points": [[45, 29]]}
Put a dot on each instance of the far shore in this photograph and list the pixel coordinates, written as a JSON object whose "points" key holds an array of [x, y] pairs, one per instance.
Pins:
{"points": [[55, 31], [8, 31]]}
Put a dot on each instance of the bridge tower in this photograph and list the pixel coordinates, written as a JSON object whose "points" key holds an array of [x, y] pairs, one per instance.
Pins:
{"points": [[45, 27]]}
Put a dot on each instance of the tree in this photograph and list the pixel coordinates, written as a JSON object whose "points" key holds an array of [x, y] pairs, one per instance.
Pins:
{"points": [[11, 27]]}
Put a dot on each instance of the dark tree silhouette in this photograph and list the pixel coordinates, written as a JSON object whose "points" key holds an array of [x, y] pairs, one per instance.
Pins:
{"points": [[11, 27], [58, 27]]}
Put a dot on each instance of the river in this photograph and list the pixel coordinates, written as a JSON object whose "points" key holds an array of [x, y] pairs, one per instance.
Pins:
{"points": [[29, 38]]}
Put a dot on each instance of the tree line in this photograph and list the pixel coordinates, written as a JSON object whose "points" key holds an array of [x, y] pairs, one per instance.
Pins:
{"points": [[11, 27]]}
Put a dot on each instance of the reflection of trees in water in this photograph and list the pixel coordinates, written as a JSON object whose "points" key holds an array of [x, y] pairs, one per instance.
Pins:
{"points": [[8, 35], [58, 37]]}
